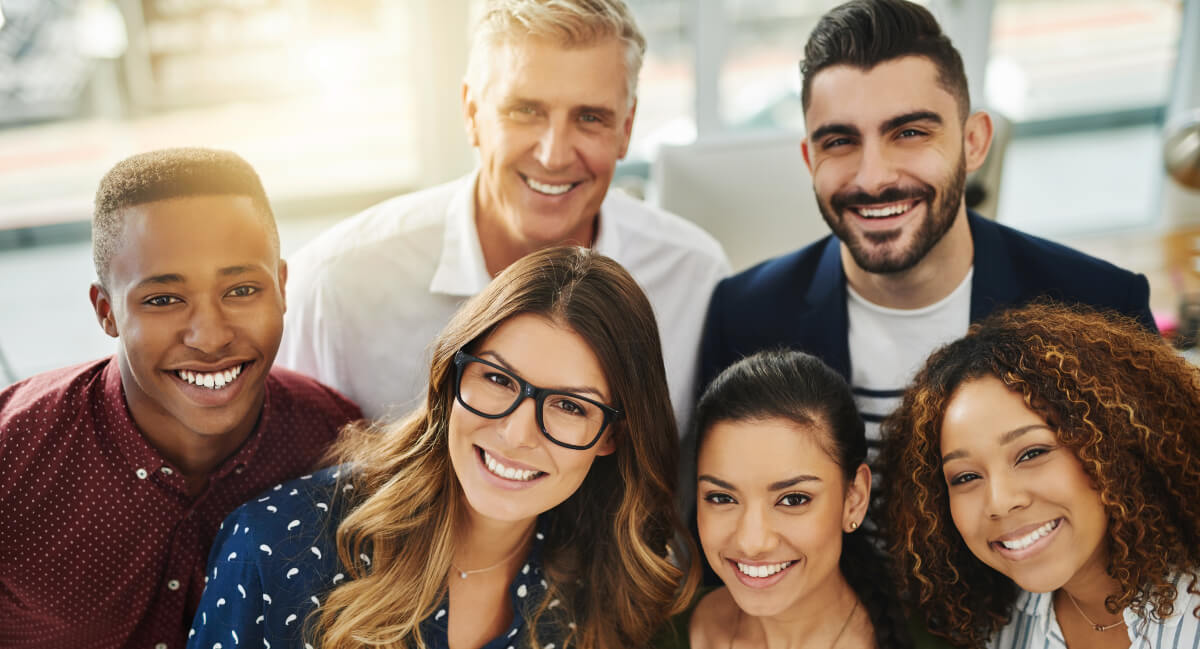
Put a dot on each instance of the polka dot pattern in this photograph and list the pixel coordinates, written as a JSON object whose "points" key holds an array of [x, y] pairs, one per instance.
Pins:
{"points": [[275, 559], [100, 545]]}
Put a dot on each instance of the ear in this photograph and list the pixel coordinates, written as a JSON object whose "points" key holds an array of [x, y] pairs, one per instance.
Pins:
{"points": [[282, 279], [804, 152], [102, 305], [858, 496], [627, 130], [469, 108], [977, 139]]}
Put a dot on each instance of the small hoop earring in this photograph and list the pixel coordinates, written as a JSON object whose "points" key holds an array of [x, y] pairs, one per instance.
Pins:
{"points": [[853, 526]]}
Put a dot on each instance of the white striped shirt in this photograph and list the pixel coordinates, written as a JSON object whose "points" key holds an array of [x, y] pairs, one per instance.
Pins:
{"points": [[1034, 625]]}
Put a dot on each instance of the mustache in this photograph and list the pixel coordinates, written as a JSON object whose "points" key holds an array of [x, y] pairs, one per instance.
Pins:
{"points": [[842, 200]]}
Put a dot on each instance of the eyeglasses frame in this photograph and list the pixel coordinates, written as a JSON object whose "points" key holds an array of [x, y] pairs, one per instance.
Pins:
{"points": [[530, 391]]}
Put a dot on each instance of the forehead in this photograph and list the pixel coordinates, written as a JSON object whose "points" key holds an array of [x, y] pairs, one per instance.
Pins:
{"points": [[542, 70], [981, 411], [847, 94], [546, 353], [191, 236], [762, 451]]}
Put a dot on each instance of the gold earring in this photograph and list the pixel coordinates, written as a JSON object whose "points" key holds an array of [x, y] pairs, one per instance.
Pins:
{"points": [[853, 526]]}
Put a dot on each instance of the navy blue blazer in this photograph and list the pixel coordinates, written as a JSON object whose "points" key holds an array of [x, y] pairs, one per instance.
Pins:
{"points": [[798, 300]]}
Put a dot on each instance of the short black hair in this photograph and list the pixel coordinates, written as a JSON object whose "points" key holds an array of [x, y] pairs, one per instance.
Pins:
{"points": [[865, 33], [164, 174]]}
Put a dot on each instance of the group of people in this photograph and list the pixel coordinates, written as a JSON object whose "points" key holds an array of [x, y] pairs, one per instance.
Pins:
{"points": [[924, 430]]}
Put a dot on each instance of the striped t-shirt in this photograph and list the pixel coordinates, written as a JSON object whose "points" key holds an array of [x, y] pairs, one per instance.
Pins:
{"points": [[1034, 625], [888, 347]]}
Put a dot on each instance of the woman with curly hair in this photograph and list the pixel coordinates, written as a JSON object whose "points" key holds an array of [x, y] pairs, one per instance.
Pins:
{"points": [[1042, 485], [782, 491], [527, 503]]}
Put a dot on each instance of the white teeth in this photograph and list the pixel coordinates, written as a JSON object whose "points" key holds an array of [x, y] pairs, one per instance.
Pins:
{"points": [[1030, 538], [553, 190], [762, 571], [506, 472], [213, 380], [875, 213]]}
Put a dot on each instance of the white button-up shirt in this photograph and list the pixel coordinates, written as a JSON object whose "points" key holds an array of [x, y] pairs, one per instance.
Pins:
{"points": [[367, 298]]}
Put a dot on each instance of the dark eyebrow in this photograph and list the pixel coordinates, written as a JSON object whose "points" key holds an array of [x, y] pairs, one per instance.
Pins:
{"points": [[915, 116], [1006, 438], [835, 129], [790, 482], [717, 481], [508, 366], [237, 270], [165, 278]]}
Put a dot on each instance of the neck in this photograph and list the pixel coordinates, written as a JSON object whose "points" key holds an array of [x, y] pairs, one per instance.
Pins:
{"points": [[194, 454], [933, 278], [1089, 591], [502, 244], [483, 542], [814, 621]]}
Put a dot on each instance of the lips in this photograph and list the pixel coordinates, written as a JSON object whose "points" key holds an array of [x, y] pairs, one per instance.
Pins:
{"points": [[549, 188], [212, 385], [1026, 541], [891, 202], [758, 574], [506, 469]]}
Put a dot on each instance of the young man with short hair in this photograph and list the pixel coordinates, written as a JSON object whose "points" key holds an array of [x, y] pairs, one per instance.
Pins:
{"points": [[890, 141], [117, 473]]}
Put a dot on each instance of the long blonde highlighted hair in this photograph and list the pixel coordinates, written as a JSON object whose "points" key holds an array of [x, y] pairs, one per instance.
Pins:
{"points": [[611, 549]]}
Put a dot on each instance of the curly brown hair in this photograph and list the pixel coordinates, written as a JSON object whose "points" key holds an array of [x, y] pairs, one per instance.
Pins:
{"points": [[1118, 396]]}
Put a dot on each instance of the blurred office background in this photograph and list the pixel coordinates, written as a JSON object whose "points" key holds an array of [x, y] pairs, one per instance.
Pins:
{"points": [[341, 103]]}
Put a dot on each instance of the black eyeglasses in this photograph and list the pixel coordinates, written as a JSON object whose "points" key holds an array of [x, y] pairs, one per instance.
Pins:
{"points": [[567, 419]]}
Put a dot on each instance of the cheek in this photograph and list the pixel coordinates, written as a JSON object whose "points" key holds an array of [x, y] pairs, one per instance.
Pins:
{"points": [[964, 512]]}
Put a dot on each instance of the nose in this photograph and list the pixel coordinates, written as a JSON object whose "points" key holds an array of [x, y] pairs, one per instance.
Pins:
{"points": [[555, 149], [876, 169], [520, 428], [1005, 494], [209, 329], [755, 535]]}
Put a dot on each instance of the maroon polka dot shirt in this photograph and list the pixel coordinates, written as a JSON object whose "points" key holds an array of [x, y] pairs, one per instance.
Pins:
{"points": [[100, 545]]}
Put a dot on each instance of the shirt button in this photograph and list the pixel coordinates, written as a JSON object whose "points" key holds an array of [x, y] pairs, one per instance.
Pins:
{"points": [[240, 468], [166, 471], [161, 645], [141, 474], [173, 584]]}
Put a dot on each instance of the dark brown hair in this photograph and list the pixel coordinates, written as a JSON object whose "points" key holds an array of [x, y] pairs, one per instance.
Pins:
{"points": [[865, 33], [1117, 395]]}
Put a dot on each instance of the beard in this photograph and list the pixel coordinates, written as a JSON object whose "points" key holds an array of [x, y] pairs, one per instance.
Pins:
{"points": [[879, 252]]}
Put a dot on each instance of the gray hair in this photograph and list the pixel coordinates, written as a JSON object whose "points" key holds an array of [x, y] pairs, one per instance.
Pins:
{"points": [[571, 23]]}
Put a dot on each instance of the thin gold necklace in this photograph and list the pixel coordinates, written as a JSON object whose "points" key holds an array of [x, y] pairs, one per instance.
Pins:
{"points": [[1095, 627], [463, 574], [738, 625]]}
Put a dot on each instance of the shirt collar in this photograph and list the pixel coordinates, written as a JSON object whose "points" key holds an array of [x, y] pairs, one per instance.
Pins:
{"points": [[144, 460], [461, 269]]}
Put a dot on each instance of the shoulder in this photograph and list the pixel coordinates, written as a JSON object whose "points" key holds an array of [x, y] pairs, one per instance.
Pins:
{"points": [[661, 231], [36, 402], [378, 233], [307, 397], [713, 620], [790, 274], [1029, 251]]}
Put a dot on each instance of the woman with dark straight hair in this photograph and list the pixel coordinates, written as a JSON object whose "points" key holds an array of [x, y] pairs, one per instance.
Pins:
{"points": [[527, 503], [782, 490]]}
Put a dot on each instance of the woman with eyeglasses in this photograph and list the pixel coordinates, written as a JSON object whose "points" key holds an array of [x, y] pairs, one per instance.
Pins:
{"points": [[1044, 474], [528, 503]]}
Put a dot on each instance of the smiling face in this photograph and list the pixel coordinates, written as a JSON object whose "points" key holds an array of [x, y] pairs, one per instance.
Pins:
{"points": [[508, 470], [195, 299], [889, 153], [772, 507], [1021, 501], [550, 124]]}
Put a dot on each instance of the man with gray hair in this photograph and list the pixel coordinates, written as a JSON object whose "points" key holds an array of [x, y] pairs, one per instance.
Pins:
{"points": [[548, 101]]}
